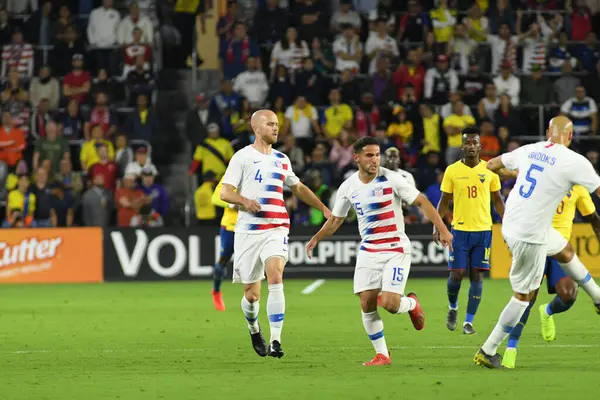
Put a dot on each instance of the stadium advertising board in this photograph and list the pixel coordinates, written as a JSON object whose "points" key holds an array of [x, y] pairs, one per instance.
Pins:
{"points": [[190, 253], [583, 240], [50, 255]]}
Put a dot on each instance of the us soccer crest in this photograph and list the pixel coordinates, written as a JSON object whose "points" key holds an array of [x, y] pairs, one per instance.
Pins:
{"points": [[278, 164], [481, 178], [378, 192]]}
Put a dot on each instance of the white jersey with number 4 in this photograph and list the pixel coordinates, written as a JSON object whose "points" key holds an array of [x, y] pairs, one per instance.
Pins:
{"points": [[547, 171], [261, 177], [378, 207]]}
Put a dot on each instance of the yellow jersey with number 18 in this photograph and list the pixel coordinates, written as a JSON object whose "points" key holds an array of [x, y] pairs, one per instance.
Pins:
{"points": [[230, 215], [578, 198], [471, 189]]}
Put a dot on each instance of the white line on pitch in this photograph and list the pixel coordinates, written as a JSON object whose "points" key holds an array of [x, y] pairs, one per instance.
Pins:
{"points": [[313, 286]]}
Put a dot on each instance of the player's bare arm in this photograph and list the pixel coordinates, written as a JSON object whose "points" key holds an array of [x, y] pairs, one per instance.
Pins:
{"points": [[432, 214], [328, 229], [442, 209], [498, 203], [307, 196], [594, 220], [229, 195], [496, 165]]}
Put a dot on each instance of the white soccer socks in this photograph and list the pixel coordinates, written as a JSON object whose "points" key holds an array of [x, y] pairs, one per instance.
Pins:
{"points": [[276, 310], [251, 313], [576, 270], [406, 304], [374, 326], [509, 318]]}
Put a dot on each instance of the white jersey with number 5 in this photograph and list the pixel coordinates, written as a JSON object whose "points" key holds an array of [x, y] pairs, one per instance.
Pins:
{"points": [[378, 206], [547, 171], [261, 177]]}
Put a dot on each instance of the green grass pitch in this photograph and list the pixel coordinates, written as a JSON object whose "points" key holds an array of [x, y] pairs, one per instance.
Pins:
{"points": [[165, 341]]}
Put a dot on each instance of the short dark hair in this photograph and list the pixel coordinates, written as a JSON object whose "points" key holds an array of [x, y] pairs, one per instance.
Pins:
{"points": [[471, 130], [364, 141]]}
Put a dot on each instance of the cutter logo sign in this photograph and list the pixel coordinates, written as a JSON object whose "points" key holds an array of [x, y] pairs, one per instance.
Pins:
{"points": [[27, 256]]}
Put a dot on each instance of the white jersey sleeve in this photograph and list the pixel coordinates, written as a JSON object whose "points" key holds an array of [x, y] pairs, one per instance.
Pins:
{"points": [[513, 159], [234, 172], [402, 187], [586, 176], [342, 202], [290, 176]]}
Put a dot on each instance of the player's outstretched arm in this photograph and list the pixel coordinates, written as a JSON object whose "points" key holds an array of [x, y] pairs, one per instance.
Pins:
{"points": [[431, 213], [496, 165], [229, 195], [442, 209], [308, 197], [328, 229]]}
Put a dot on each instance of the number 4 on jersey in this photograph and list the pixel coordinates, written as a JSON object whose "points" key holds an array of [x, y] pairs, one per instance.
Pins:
{"points": [[258, 176]]}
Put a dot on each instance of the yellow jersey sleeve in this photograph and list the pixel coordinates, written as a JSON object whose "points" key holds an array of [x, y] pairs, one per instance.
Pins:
{"points": [[585, 205], [447, 183], [468, 119], [216, 196], [14, 200], [495, 185], [198, 154], [111, 150], [32, 203]]}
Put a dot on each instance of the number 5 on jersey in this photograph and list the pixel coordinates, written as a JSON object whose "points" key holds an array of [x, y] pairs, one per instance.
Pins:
{"points": [[532, 181]]}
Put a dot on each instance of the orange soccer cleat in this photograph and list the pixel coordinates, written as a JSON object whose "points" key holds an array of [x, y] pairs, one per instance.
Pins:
{"points": [[218, 301], [417, 316], [379, 359]]}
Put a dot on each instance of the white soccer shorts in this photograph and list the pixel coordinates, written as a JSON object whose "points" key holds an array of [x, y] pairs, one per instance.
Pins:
{"points": [[529, 260], [385, 271], [252, 252]]}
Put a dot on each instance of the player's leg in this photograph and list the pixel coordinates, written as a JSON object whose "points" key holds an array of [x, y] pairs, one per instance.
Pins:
{"points": [[527, 271], [564, 287], [479, 262], [393, 281], [227, 238], [372, 321], [457, 264], [510, 354]]}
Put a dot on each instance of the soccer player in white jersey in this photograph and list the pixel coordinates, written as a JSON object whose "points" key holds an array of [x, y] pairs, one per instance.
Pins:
{"points": [[254, 181], [546, 171], [383, 261]]}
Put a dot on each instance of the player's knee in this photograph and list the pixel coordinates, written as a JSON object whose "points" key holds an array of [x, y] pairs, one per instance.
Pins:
{"points": [[476, 275], [567, 290], [368, 303], [251, 297], [528, 297], [566, 255], [390, 303], [456, 275]]}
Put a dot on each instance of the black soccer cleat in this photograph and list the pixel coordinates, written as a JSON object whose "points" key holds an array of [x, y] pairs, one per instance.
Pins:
{"points": [[484, 360], [275, 349], [258, 343], [468, 329], [451, 319]]}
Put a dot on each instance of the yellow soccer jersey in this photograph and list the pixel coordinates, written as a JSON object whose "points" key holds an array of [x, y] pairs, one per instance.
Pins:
{"points": [[471, 188], [230, 215], [577, 198]]}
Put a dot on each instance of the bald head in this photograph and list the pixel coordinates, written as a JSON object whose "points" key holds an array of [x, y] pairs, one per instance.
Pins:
{"points": [[265, 125], [259, 116], [560, 130]]}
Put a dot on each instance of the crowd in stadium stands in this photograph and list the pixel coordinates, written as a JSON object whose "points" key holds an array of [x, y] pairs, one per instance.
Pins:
{"points": [[77, 120], [411, 73]]}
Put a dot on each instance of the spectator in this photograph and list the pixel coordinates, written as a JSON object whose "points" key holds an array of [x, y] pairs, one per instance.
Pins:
{"points": [[462, 48], [235, 52], [65, 51], [311, 18], [5, 28], [43, 214], [504, 48], [349, 88], [566, 84], [592, 83], [25, 7], [206, 212], [440, 81], [427, 175], [252, 84], [38, 26], [123, 153], [489, 104], [142, 123], [490, 145], [89, 154], [103, 84], [409, 101], [310, 83], [213, 154], [367, 117], [13, 143], [401, 130], [50, 147], [431, 130], [323, 58], [106, 167], [294, 153], [77, 83], [128, 199], [21, 111], [227, 22], [503, 138], [282, 87], [410, 73], [197, 121], [434, 191], [443, 21], [71, 180], [338, 116], [289, 52], [384, 141], [15, 220], [472, 86], [45, 87], [72, 122], [348, 50], [476, 24], [318, 161], [141, 161], [21, 199], [581, 21], [342, 152], [270, 22], [536, 89], [453, 126], [97, 204], [279, 110], [380, 45], [507, 83], [102, 33], [501, 14], [147, 217], [413, 25], [323, 193], [560, 54], [128, 25], [380, 83], [61, 205], [101, 116], [140, 81], [582, 111], [61, 25], [301, 121], [135, 50], [507, 116], [156, 195], [535, 41], [447, 109], [18, 54], [345, 16]]}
